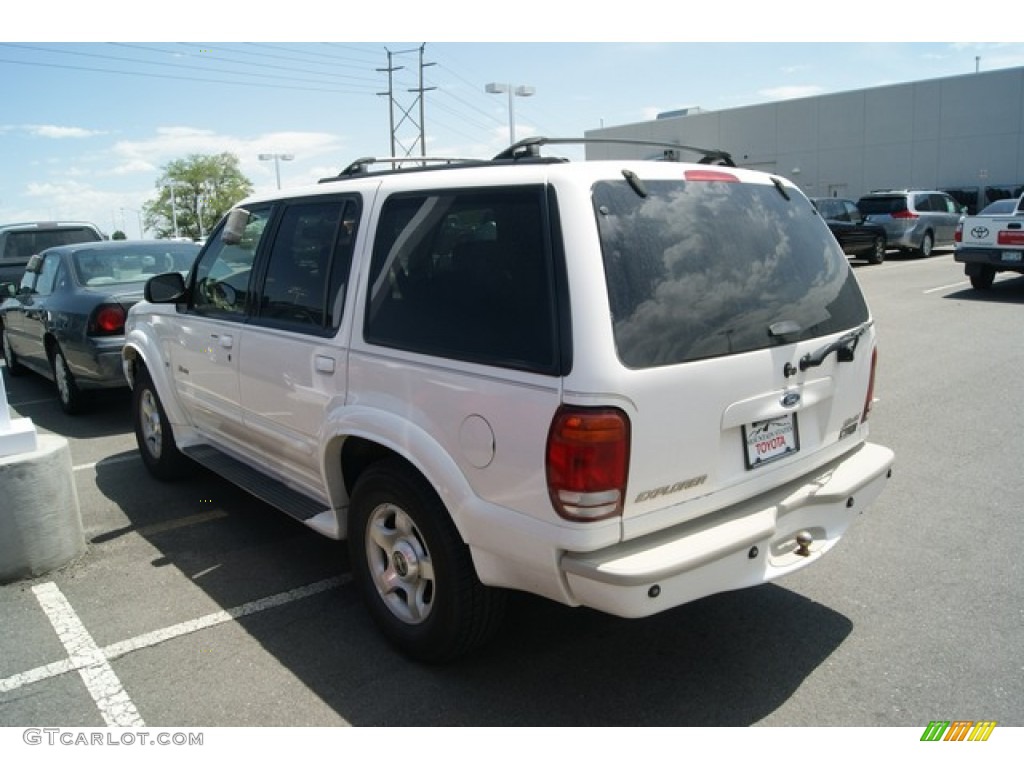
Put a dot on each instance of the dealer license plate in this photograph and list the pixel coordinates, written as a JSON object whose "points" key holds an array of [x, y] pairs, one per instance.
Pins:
{"points": [[1012, 256], [770, 440]]}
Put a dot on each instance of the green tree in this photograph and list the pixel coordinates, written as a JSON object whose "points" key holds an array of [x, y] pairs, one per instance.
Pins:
{"points": [[193, 194], [118, 235]]}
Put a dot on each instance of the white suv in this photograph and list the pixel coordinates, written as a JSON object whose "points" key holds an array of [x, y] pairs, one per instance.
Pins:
{"points": [[619, 384]]}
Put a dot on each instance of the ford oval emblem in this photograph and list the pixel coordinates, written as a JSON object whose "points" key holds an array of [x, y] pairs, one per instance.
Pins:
{"points": [[790, 399]]}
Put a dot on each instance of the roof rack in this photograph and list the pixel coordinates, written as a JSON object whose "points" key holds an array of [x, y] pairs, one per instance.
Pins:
{"points": [[361, 166], [526, 150], [531, 148]]}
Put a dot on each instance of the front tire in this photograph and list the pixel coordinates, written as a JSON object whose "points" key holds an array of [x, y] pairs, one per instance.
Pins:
{"points": [[72, 401], [153, 432], [10, 359], [414, 572]]}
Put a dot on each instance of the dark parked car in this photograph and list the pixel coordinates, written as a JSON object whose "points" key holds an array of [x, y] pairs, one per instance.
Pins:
{"points": [[19, 242], [857, 236], [66, 320]]}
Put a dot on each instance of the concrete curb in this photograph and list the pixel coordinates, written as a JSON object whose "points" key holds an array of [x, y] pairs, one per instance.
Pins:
{"points": [[40, 520]]}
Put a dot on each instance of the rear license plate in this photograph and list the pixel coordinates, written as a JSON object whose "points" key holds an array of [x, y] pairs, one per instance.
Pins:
{"points": [[1012, 256], [770, 440]]}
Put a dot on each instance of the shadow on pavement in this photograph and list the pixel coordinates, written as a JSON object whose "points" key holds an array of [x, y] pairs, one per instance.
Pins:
{"points": [[730, 659]]}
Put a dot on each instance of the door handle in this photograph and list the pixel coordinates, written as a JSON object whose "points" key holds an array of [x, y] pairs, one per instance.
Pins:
{"points": [[226, 340]]}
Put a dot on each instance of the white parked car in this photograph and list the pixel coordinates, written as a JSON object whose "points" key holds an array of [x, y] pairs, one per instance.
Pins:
{"points": [[621, 384]]}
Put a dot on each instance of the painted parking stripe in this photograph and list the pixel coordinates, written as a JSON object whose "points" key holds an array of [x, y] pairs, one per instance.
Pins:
{"points": [[99, 677], [116, 650]]}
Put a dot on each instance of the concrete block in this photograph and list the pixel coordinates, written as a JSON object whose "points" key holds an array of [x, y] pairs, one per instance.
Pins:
{"points": [[40, 519]]}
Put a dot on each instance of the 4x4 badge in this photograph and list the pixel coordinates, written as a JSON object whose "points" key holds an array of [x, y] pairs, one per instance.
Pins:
{"points": [[790, 399]]}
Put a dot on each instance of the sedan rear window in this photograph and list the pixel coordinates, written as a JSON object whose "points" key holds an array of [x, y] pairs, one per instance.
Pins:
{"points": [[696, 270]]}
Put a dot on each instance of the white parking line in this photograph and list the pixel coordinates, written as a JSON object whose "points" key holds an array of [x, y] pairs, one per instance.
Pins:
{"points": [[90, 656], [99, 677], [946, 287], [113, 460]]}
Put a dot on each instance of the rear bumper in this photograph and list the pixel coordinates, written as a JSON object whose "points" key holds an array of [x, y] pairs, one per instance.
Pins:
{"points": [[743, 546], [999, 258]]}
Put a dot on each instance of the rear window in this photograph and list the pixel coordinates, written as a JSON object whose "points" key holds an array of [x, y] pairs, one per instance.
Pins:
{"points": [[696, 270], [22, 245], [882, 205]]}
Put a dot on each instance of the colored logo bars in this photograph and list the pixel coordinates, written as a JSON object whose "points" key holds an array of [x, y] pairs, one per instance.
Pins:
{"points": [[958, 730]]}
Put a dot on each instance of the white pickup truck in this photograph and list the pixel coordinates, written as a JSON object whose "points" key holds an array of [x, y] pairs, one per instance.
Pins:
{"points": [[987, 244]]}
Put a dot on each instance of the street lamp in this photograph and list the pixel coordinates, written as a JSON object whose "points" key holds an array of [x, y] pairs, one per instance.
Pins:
{"points": [[277, 158], [517, 90], [137, 213]]}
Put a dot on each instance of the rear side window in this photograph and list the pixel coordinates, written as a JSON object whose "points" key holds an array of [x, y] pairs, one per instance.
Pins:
{"points": [[703, 269], [465, 275]]}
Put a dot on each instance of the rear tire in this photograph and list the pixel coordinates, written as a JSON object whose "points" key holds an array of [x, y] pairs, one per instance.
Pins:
{"points": [[414, 572], [984, 279], [877, 254], [153, 432], [71, 399], [927, 245]]}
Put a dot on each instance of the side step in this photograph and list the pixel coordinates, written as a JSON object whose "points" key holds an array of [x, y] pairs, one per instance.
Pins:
{"points": [[275, 493]]}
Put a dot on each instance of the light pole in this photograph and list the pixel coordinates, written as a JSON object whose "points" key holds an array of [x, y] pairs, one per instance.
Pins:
{"points": [[277, 158], [512, 91], [137, 213]]}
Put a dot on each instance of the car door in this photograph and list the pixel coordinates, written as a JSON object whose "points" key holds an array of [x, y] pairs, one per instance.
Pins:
{"points": [[292, 358], [947, 216], [204, 352], [30, 344]]}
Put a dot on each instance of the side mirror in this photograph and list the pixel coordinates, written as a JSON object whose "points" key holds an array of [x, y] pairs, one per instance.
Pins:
{"points": [[234, 227], [34, 263], [168, 288]]}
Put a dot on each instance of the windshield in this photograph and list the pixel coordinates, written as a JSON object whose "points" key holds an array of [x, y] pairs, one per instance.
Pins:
{"points": [[702, 269]]}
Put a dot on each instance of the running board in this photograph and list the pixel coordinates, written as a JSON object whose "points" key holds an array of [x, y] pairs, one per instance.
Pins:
{"points": [[275, 493]]}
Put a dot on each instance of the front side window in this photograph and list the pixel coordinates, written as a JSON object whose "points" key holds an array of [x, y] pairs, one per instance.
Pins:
{"points": [[222, 278], [465, 275], [47, 275], [701, 269], [309, 265]]}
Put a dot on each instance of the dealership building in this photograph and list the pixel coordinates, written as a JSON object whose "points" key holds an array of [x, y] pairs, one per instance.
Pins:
{"points": [[962, 134]]}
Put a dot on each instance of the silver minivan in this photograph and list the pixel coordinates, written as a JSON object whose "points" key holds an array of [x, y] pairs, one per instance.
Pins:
{"points": [[914, 220]]}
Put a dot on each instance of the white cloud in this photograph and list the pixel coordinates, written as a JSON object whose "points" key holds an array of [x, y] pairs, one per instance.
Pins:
{"points": [[785, 92], [62, 132]]}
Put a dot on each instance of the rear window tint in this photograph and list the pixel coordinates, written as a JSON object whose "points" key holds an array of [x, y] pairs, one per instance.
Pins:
{"points": [[703, 269], [28, 243], [465, 275], [877, 205]]}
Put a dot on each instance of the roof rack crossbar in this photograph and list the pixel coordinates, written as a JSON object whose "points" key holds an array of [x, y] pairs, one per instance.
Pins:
{"points": [[531, 148]]}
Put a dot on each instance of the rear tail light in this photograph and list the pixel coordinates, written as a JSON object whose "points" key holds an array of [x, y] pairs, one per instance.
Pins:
{"points": [[587, 462], [958, 235], [1006, 237], [107, 320], [904, 215], [869, 400]]}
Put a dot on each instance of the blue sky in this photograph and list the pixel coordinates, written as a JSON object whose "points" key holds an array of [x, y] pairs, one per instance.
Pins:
{"points": [[86, 124]]}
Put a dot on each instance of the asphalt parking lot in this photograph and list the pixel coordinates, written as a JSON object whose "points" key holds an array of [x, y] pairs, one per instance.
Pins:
{"points": [[197, 605]]}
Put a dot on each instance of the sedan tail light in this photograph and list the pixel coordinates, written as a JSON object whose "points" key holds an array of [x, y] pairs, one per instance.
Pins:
{"points": [[107, 320], [587, 462]]}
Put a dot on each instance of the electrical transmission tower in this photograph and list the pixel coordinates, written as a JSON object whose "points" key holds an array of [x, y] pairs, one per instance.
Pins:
{"points": [[406, 113]]}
